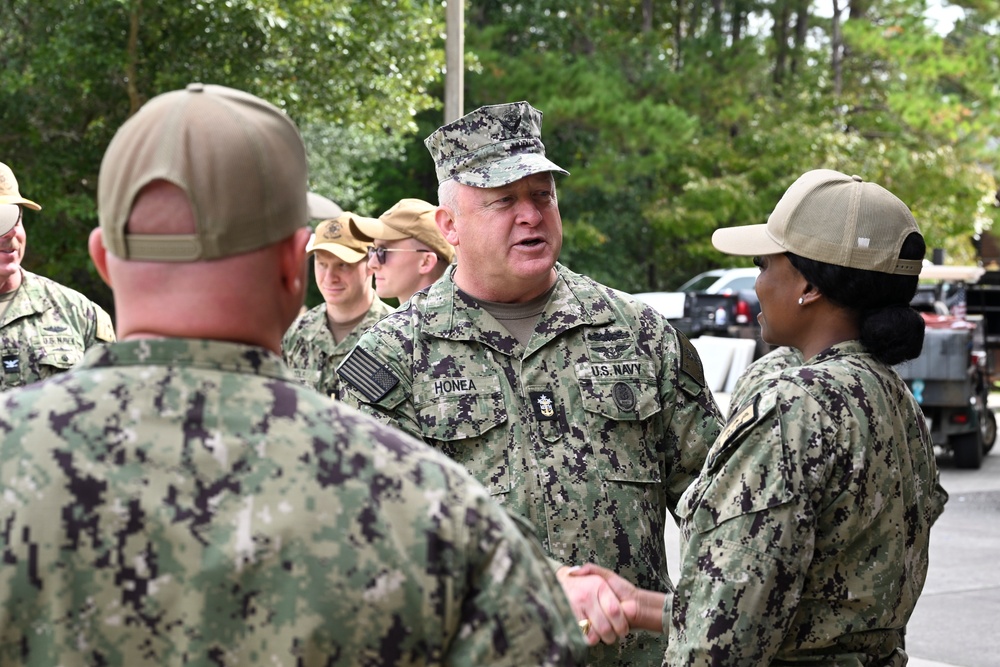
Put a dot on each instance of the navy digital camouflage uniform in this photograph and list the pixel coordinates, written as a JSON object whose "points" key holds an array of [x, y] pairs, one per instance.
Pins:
{"points": [[46, 330], [186, 502], [592, 432], [308, 346], [748, 384], [806, 535]]}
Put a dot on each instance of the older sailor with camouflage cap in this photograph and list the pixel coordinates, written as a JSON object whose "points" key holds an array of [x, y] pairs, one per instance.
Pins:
{"points": [[579, 408], [45, 327], [409, 252], [321, 337], [179, 498]]}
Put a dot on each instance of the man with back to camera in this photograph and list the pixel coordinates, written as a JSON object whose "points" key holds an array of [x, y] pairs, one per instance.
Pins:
{"points": [[45, 327], [409, 252], [578, 407], [320, 338], [179, 498]]}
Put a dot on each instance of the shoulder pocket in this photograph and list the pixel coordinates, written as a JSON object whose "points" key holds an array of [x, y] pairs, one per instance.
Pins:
{"points": [[746, 471]]}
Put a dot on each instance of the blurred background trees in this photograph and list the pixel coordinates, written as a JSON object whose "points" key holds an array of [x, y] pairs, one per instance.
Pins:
{"points": [[675, 117]]}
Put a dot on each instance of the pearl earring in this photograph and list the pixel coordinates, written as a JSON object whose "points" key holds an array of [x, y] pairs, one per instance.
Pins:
{"points": [[801, 301]]}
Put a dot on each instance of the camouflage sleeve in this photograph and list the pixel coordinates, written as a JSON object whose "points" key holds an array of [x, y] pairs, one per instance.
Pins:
{"points": [[377, 380], [105, 331], [751, 532], [518, 614], [694, 418]]}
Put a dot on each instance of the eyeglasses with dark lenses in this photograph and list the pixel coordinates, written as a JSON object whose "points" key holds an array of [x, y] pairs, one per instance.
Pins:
{"points": [[380, 251]]}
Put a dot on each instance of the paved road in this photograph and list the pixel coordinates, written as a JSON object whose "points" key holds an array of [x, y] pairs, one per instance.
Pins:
{"points": [[957, 619]]}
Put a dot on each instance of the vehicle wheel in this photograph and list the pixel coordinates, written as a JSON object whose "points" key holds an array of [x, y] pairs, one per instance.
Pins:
{"points": [[968, 449], [988, 425]]}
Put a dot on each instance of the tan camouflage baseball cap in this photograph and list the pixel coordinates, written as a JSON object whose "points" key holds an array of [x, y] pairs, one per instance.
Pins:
{"points": [[335, 236], [492, 146], [10, 199], [240, 160], [831, 217], [407, 219]]}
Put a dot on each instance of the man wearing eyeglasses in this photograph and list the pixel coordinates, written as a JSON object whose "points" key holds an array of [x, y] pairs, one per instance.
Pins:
{"points": [[320, 338], [45, 327], [409, 252], [581, 409]]}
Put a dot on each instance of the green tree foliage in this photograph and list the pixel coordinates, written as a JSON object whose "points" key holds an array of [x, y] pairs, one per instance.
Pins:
{"points": [[353, 75], [679, 117]]}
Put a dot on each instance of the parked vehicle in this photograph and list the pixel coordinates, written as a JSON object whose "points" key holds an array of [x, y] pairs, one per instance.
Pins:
{"points": [[950, 380], [720, 302]]}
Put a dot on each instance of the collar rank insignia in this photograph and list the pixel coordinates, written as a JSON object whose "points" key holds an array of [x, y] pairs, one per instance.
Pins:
{"points": [[11, 363], [544, 404]]}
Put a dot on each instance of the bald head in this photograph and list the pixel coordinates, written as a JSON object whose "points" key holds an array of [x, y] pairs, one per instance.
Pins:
{"points": [[214, 299]]}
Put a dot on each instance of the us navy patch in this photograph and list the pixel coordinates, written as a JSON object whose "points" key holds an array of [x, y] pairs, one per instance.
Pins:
{"points": [[544, 404], [372, 379]]}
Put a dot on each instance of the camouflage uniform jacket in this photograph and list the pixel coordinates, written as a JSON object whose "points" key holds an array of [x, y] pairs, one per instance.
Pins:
{"points": [[806, 535], [308, 346], [748, 384], [46, 330], [592, 432], [182, 502]]}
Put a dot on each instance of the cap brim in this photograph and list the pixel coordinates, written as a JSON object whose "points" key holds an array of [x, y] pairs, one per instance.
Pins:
{"points": [[27, 203], [348, 255], [375, 229], [748, 240], [508, 170], [321, 208]]}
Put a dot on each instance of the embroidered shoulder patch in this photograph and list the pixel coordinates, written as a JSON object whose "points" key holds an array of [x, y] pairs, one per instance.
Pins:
{"points": [[690, 361], [366, 374], [739, 422]]}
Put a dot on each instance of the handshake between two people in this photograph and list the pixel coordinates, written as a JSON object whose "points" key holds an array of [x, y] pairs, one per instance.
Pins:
{"points": [[609, 606]]}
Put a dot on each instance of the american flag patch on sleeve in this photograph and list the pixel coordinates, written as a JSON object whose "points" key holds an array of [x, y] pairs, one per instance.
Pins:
{"points": [[364, 372]]}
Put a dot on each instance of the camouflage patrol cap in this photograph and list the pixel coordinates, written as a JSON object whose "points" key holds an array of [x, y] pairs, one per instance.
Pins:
{"points": [[335, 236], [492, 146], [407, 219], [240, 160], [10, 199], [834, 218]]}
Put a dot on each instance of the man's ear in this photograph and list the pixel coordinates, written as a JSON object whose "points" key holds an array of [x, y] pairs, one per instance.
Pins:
{"points": [[445, 219], [99, 254], [428, 261], [292, 262]]}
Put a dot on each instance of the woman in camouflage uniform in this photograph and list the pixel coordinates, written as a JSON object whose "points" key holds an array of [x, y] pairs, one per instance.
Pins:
{"points": [[806, 534]]}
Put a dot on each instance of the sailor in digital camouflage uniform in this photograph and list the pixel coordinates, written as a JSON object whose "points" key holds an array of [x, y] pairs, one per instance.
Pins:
{"points": [[180, 499], [579, 408], [320, 338], [806, 535], [45, 327]]}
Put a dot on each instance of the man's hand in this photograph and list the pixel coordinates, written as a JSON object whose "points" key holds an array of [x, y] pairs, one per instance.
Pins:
{"points": [[594, 600], [643, 609]]}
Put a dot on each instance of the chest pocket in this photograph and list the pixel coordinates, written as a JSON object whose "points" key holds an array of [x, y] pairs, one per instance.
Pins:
{"points": [[460, 416], [618, 401]]}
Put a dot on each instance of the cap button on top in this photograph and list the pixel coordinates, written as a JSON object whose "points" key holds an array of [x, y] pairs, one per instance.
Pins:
{"points": [[857, 178], [195, 87]]}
